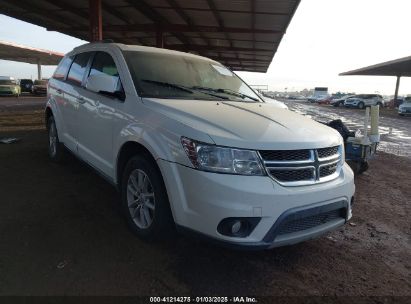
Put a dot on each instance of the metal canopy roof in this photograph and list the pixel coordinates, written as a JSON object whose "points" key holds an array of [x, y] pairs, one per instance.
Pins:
{"points": [[242, 34], [398, 67], [16, 52]]}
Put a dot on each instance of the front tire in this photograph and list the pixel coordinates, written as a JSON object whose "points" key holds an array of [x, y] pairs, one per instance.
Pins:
{"points": [[56, 149], [361, 105], [144, 199]]}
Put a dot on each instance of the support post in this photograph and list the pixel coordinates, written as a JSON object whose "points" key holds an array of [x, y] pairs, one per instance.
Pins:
{"points": [[160, 39], [96, 20], [397, 86], [38, 69]]}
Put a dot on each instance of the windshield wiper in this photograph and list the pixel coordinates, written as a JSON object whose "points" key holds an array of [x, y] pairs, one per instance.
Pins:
{"points": [[182, 88], [168, 84], [226, 91]]}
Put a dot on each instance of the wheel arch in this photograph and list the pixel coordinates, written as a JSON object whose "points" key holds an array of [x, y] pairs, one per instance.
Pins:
{"points": [[128, 150], [47, 114]]}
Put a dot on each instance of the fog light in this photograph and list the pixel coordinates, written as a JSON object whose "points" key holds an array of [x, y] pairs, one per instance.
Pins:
{"points": [[235, 228], [238, 227]]}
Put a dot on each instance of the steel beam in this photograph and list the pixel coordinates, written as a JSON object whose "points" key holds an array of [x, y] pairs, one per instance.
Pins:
{"points": [[178, 28], [213, 48], [96, 20], [160, 39]]}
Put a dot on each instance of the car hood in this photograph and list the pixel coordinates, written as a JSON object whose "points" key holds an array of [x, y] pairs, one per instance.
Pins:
{"points": [[8, 86], [247, 125]]}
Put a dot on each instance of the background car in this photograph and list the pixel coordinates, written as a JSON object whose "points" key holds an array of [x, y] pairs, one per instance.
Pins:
{"points": [[339, 102], [9, 86], [405, 107], [395, 103], [39, 87], [26, 85], [324, 100], [364, 100]]}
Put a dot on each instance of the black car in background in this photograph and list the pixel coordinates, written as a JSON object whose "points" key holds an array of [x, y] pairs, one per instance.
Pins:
{"points": [[26, 85]]}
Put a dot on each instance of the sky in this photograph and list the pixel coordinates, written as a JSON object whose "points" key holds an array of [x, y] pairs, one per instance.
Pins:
{"points": [[325, 38]]}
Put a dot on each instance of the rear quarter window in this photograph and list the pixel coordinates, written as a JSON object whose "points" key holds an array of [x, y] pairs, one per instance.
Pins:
{"points": [[78, 68], [62, 68]]}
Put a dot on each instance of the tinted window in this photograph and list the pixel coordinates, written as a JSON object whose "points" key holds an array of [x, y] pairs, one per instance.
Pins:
{"points": [[62, 68], [78, 68], [103, 63]]}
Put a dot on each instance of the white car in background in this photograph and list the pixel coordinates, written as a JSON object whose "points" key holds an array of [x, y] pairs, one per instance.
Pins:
{"points": [[364, 100], [188, 144], [405, 107]]}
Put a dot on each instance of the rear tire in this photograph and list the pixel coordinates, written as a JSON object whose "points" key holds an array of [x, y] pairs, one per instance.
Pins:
{"points": [[144, 199], [56, 148]]}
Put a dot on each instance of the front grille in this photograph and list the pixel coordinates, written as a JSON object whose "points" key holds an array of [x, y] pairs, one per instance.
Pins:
{"points": [[293, 175], [327, 152], [291, 225], [285, 155], [302, 167], [328, 170]]}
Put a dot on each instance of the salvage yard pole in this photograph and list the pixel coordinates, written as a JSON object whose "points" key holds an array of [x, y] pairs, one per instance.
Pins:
{"points": [[160, 39], [96, 20], [397, 86], [38, 69]]}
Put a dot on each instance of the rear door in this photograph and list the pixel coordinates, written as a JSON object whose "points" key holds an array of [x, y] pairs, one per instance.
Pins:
{"points": [[96, 115]]}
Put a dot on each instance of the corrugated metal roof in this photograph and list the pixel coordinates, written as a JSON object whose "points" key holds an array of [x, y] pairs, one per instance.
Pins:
{"points": [[397, 67], [242, 34], [17, 52]]}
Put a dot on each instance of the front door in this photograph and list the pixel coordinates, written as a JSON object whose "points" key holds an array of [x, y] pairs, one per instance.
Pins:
{"points": [[96, 114]]}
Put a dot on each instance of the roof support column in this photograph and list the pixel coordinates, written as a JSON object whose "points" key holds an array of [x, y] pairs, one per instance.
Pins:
{"points": [[96, 20], [397, 86], [160, 39], [38, 69]]}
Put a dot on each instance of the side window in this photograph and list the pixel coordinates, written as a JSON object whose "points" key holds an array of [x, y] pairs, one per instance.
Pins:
{"points": [[78, 68], [103, 63], [62, 68]]}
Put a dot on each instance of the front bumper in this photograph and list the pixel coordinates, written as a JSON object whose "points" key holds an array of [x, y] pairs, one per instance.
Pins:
{"points": [[404, 111], [201, 200]]}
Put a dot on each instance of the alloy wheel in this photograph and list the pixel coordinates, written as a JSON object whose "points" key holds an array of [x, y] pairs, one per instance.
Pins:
{"points": [[140, 199]]}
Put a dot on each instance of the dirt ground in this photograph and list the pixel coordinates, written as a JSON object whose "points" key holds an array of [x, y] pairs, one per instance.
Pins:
{"points": [[61, 233]]}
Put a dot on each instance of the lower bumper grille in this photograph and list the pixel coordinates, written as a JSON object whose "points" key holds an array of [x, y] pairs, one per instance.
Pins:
{"points": [[302, 223], [290, 225]]}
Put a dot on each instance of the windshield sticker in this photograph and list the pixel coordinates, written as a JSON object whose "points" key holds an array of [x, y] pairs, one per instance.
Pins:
{"points": [[222, 70]]}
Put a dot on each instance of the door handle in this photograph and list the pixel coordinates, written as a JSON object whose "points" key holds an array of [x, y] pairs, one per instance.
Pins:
{"points": [[59, 91], [81, 100]]}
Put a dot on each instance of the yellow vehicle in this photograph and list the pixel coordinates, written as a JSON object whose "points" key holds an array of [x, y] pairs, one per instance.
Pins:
{"points": [[9, 87]]}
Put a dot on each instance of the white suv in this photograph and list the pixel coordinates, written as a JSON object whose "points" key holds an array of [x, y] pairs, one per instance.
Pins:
{"points": [[364, 100], [189, 145]]}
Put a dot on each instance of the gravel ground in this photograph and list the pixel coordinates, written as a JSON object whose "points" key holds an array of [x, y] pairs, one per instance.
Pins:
{"points": [[61, 233]]}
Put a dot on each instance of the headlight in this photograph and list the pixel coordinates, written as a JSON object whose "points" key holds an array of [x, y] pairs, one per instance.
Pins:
{"points": [[213, 158]]}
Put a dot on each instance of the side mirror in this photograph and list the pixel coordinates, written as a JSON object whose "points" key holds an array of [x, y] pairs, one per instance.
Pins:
{"points": [[104, 84]]}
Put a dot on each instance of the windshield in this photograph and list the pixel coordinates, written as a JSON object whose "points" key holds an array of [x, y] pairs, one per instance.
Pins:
{"points": [[7, 82], [407, 100], [171, 76], [40, 82]]}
